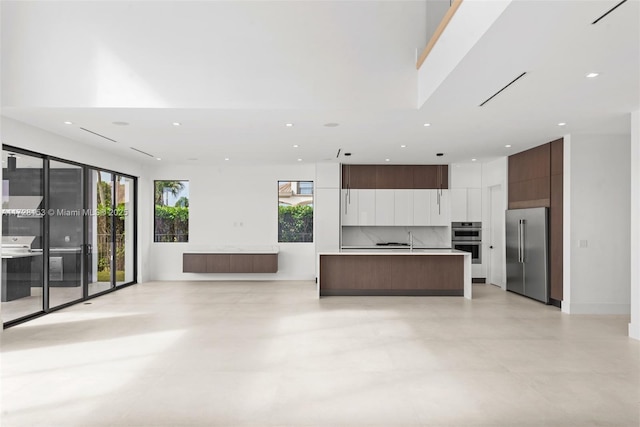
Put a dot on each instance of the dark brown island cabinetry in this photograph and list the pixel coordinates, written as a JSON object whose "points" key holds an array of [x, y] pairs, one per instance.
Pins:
{"points": [[229, 263], [536, 180], [364, 274], [395, 177]]}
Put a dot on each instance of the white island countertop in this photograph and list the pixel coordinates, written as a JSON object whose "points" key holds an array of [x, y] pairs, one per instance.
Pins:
{"points": [[398, 251]]}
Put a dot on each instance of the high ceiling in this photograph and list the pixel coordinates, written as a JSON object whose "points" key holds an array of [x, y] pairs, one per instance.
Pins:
{"points": [[233, 74]]}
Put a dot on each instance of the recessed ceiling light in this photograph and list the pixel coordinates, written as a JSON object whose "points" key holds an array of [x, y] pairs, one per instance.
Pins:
{"points": [[331, 125], [176, 124], [121, 123], [158, 158], [68, 123], [295, 145], [561, 124], [473, 160], [387, 160], [289, 125], [426, 124], [299, 160], [508, 146], [403, 146], [226, 159], [592, 75]]}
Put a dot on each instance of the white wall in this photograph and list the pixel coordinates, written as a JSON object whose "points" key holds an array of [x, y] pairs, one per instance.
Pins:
{"points": [[634, 326], [599, 226], [233, 206], [20, 135]]}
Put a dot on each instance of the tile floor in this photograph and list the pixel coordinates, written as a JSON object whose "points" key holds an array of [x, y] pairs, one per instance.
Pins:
{"points": [[272, 354]]}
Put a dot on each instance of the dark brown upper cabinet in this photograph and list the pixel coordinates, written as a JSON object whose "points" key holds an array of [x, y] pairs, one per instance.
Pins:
{"points": [[530, 178], [395, 176]]}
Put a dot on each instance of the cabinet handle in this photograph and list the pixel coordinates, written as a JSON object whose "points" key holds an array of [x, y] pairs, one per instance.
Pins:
{"points": [[345, 202]]}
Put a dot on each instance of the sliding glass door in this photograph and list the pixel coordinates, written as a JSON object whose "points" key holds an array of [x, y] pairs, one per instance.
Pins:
{"points": [[100, 232], [22, 235], [68, 233], [124, 221]]}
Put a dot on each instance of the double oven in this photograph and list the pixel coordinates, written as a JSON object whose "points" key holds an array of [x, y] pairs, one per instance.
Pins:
{"points": [[467, 236]]}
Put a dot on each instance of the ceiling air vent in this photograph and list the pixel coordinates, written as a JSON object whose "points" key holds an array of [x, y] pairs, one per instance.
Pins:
{"points": [[498, 92], [608, 12], [143, 152], [97, 134]]}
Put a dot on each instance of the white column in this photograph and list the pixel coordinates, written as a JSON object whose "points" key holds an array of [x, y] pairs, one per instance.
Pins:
{"points": [[566, 225], [634, 326]]}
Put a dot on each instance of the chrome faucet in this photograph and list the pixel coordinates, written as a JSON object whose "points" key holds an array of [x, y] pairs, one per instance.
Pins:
{"points": [[410, 241]]}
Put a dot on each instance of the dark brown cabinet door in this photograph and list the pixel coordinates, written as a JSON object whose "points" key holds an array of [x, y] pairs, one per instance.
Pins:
{"points": [[218, 263], [359, 176], [394, 177], [241, 263], [555, 221], [265, 263], [194, 263]]}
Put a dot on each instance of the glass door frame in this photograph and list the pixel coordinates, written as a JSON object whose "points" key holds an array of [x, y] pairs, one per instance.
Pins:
{"points": [[88, 250], [86, 169]]}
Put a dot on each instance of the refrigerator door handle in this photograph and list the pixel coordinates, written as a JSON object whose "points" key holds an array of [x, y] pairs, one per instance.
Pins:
{"points": [[520, 240]]}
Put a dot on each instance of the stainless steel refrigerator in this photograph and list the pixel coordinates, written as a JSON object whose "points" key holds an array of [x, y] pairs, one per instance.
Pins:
{"points": [[528, 252]]}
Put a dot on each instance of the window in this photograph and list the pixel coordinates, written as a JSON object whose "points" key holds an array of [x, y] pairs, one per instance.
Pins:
{"points": [[171, 213], [295, 211]]}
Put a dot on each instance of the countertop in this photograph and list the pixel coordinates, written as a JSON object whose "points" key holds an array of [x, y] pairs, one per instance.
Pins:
{"points": [[235, 250], [12, 255], [405, 251], [383, 247]]}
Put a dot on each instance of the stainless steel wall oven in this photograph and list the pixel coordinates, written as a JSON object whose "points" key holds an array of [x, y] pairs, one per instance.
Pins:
{"points": [[467, 236]]}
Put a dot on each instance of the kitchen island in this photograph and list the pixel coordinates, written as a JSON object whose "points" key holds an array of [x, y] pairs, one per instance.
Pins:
{"points": [[421, 272]]}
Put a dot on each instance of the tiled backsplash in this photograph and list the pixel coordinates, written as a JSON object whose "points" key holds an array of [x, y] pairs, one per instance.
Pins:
{"points": [[432, 237]]}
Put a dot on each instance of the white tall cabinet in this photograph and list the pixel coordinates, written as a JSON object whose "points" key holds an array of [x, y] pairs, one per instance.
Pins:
{"points": [[466, 204]]}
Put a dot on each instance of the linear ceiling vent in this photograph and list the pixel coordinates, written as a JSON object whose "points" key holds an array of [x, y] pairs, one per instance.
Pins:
{"points": [[96, 133], [509, 84], [143, 152], [608, 12]]}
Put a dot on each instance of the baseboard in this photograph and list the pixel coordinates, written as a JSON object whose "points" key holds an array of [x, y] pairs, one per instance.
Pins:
{"points": [[593, 308], [634, 331]]}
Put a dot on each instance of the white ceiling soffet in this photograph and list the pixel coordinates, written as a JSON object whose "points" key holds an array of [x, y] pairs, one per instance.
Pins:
{"points": [[234, 73]]}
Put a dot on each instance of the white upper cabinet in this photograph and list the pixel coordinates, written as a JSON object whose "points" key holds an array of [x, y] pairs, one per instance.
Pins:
{"points": [[440, 207], [458, 204], [466, 204], [385, 207], [474, 204], [403, 214], [422, 207], [349, 207], [367, 207]]}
